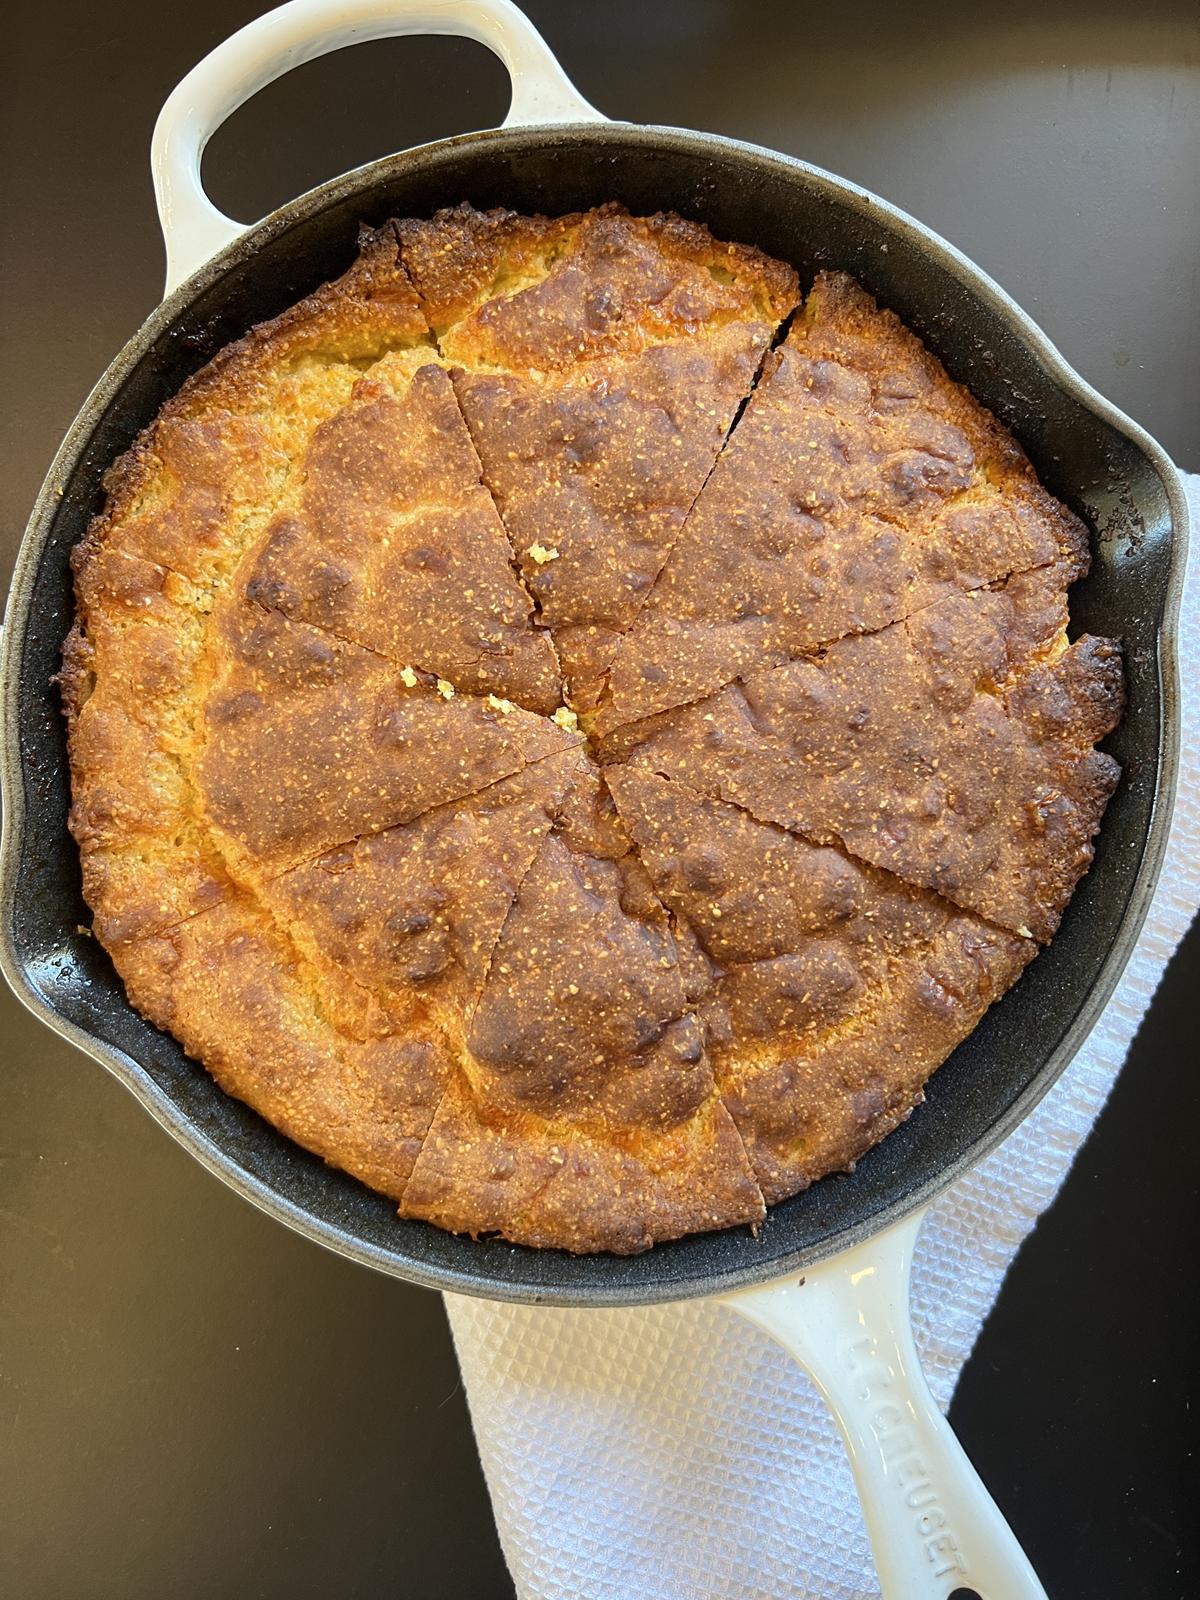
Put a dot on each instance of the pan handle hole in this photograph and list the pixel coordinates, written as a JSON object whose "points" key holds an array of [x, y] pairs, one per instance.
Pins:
{"points": [[965, 1594], [345, 109]]}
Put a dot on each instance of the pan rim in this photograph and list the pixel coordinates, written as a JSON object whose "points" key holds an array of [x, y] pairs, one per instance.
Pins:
{"points": [[487, 1283]]}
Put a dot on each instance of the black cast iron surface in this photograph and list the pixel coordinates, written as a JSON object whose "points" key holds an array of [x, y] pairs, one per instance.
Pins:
{"points": [[45, 1045]]}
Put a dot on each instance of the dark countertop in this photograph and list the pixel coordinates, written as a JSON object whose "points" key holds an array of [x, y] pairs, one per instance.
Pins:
{"points": [[195, 1402]]}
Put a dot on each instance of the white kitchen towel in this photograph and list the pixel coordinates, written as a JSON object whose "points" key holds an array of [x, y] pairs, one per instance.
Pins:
{"points": [[676, 1453]]}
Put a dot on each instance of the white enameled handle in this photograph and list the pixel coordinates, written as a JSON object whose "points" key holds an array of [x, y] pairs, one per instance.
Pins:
{"points": [[266, 48], [934, 1528]]}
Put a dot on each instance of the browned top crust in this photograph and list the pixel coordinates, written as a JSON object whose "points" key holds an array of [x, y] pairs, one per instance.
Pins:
{"points": [[309, 742], [208, 471], [954, 749], [352, 594], [238, 995], [509, 291], [391, 540], [839, 984], [861, 485], [413, 913], [598, 394]]}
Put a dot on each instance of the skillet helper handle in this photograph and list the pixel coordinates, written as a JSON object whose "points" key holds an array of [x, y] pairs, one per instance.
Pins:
{"points": [[193, 228], [934, 1528]]}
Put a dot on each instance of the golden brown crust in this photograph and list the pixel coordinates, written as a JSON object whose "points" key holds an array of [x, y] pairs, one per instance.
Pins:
{"points": [[231, 987], [820, 1106], [342, 839], [309, 742], [599, 361], [535, 293], [584, 1013], [841, 988], [413, 913], [954, 749], [220, 450], [392, 541], [860, 486], [569, 1187], [129, 668], [594, 477], [183, 505]]}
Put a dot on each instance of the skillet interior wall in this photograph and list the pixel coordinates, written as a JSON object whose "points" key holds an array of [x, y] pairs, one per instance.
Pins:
{"points": [[765, 201]]}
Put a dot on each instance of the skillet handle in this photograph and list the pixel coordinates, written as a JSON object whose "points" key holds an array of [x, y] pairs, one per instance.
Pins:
{"points": [[193, 228], [934, 1529]]}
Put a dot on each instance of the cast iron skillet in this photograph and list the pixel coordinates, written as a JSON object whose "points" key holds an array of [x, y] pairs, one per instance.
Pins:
{"points": [[1095, 459], [846, 1317]]}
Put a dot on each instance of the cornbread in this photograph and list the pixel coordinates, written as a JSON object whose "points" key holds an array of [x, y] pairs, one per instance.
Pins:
{"points": [[574, 731]]}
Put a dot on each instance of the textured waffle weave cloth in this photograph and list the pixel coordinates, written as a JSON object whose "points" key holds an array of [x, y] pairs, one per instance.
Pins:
{"points": [[676, 1453]]}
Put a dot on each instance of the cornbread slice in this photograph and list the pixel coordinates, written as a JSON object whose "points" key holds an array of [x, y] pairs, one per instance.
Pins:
{"points": [[599, 360], [390, 540], [573, 1185], [586, 1114], [232, 987], [860, 485], [205, 477], [953, 749], [840, 989], [183, 506], [583, 1010], [310, 741], [413, 913]]}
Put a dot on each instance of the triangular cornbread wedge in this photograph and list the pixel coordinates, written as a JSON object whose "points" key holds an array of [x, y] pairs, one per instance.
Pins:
{"points": [[586, 1113], [184, 504], [310, 742], [836, 990], [954, 749], [599, 360], [234, 990], [389, 539], [413, 913], [860, 485]]}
